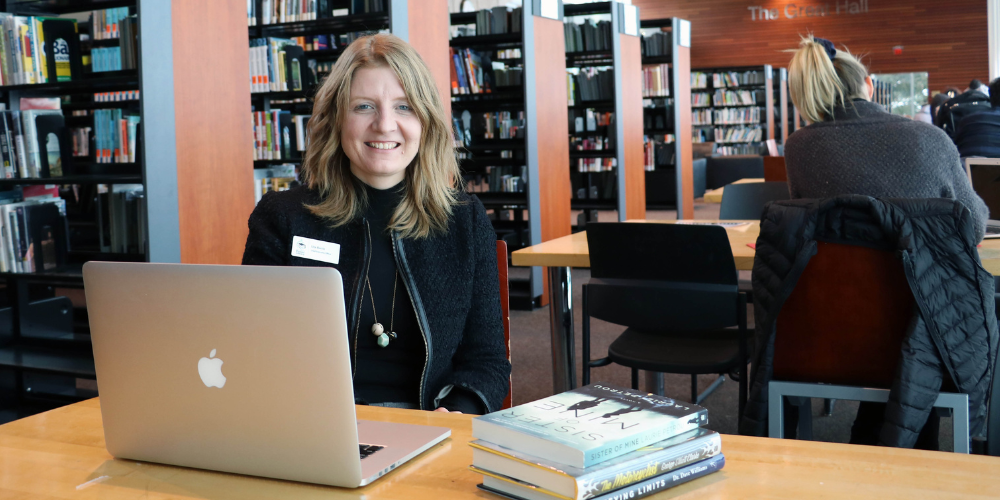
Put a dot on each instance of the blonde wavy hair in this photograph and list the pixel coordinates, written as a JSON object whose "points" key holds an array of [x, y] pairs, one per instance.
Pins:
{"points": [[819, 85], [430, 191]]}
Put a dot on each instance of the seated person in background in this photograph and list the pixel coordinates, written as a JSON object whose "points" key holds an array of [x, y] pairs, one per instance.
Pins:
{"points": [[979, 133], [973, 100], [929, 111], [854, 146], [417, 254]]}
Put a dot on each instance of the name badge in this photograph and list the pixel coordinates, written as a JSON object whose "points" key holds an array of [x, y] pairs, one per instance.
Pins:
{"points": [[323, 251]]}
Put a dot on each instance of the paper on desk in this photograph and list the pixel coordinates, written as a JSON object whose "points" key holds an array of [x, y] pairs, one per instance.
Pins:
{"points": [[735, 226]]}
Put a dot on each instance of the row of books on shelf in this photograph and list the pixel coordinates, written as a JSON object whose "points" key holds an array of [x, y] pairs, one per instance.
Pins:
{"points": [[587, 120], [595, 164], [470, 127], [33, 232], [117, 96], [658, 115], [657, 151], [115, 134], [510, 53], [739, 134], [106, 24], [619, 444], [590, 143], [591, 84], [473, 72], [658, 44], [736, 116], [587, 36], [289, 11], [278, 65], [656, 81], [499, 20], [122, 218], [699, 80], [279, 135], [27, 42], [503, 179], [274, 178], [32, 143], [740, 149], [594, 185], [727, 98]]}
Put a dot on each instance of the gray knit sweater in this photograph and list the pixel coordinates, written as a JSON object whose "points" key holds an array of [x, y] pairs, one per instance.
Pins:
{"points": [[865, 150]]}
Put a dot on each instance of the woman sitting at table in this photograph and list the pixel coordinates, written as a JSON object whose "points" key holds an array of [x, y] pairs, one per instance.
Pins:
{"points": [[854, 146], [417, 255]]}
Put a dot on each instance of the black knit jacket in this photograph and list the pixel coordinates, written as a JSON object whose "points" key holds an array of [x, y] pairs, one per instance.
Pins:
{"points": [[954, 331], [451, 278]]}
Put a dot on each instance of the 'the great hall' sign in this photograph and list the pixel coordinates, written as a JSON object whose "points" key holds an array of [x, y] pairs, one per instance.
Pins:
{"points": [[795, 11]]}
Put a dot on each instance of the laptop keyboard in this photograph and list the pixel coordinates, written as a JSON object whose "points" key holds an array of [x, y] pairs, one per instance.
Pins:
{"points": [[368, 449]]}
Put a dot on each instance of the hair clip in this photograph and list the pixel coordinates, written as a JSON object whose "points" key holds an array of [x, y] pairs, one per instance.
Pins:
{"points": [[828, 45]]}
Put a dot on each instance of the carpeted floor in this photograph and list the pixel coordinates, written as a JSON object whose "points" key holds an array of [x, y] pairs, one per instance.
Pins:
{"points": [[531, 357]]}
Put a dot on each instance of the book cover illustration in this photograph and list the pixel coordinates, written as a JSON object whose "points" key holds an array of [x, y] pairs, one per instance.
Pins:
{"points": [[601, 421]]}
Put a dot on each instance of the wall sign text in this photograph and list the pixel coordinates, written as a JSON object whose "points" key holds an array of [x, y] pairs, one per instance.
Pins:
{"points": [[796, 11]]}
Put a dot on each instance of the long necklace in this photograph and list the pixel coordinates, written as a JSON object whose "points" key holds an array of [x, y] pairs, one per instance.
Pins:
{"points": [[377, 329]]}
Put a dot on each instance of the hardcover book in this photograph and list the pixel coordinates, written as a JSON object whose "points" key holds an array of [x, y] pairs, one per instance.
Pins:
{"points": [[584, 484], [517, 490], [589, 425]]}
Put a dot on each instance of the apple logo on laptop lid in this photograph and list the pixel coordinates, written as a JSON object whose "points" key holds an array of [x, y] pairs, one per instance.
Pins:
{"points": [[210, 370]]}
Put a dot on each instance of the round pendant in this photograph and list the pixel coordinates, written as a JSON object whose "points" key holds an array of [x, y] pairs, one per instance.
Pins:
{"points": [[392, 335], [377, 329], [383, 340]]}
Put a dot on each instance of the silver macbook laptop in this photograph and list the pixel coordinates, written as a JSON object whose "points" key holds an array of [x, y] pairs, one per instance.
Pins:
{"points": [[241, 369], [984, 174]]}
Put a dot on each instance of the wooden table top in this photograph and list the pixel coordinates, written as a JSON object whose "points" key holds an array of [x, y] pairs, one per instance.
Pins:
{"points": [[715, 195], [571, 251], [61, 455]]}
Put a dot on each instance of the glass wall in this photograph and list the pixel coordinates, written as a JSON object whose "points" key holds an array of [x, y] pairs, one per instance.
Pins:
{"points": [[909, 92]]}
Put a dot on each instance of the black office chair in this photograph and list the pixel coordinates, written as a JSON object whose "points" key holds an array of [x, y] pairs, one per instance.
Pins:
{"points": [[746, 201], [991, 445], [724, 170], [674, 288]]}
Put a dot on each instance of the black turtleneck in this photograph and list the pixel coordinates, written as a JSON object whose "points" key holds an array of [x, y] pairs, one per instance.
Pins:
{"points": [[392, 374]]}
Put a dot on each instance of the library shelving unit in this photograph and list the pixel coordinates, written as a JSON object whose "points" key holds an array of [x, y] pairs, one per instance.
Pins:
{"points": [[191, 159], [667, 116], [422, 23], [535, 207], [734, 107], [613, 176]]}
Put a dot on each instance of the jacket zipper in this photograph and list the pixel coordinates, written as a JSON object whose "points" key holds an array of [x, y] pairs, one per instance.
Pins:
{"points": [[358, 293], [411, 290]]}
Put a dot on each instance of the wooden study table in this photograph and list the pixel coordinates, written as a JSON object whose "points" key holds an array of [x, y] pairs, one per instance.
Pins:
{"points": [[561, 254], [60, 455], [715, 195]]}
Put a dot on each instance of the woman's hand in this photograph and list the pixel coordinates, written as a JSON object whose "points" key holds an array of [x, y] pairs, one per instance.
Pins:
{"points": [[445, 410]]}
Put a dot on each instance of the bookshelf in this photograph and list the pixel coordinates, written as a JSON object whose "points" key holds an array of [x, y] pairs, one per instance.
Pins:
{"points": [[734, 107], [666, 62], [532, 204], [604, 65]]}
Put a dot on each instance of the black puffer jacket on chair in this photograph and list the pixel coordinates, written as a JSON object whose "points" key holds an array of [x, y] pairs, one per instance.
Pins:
{"points": [[955, 331]]}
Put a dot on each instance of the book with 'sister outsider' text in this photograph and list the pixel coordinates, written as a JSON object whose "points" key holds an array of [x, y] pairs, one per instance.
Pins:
{"points": [[572, 483], [589, 425], [517, 490]]}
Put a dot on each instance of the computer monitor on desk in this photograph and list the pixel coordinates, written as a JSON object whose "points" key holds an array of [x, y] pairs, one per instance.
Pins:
{"points": [[164, 333]]}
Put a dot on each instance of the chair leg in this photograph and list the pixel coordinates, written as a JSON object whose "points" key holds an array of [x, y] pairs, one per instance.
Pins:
{"points": [[635, 379], [775, 412], [742, 321], [828, 407], [586, 339], [711, 388]]}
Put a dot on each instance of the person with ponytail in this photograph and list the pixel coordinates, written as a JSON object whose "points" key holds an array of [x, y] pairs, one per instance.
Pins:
{"points": [[854, 146]]}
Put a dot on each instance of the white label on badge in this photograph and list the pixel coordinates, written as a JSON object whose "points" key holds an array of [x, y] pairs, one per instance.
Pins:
{"points": [[323, 251]]}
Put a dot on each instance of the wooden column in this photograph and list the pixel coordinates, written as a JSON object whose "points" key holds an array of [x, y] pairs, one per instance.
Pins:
{"points": [[682, 133], [429, 29], [551, 96], [785, 125], [631, 116], [213, 129], [769, 100]]}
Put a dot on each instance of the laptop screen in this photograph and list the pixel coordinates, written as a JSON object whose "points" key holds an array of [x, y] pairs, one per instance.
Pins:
{"points": [[984, 173]]}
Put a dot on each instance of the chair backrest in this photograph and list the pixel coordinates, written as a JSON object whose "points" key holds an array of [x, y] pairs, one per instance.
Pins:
{"points": [[746, 201], [505, 309], [653, 276], [722, 170], [845, 320], [774, 169]]}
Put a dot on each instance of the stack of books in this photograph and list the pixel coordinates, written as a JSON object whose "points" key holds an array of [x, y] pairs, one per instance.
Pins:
{"points": [[597, 442]]}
